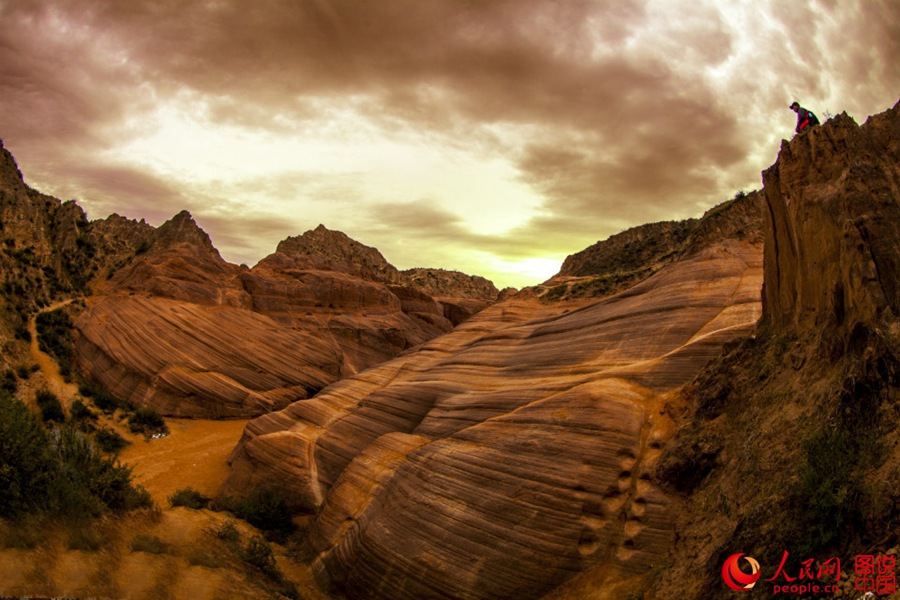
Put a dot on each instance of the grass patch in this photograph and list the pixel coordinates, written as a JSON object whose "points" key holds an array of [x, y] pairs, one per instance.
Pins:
{"points": [[23, 534], [149, 544], [85, 538], [202, 558]]}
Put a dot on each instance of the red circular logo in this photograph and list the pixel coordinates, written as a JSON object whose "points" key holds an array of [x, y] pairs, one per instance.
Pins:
{"points": [[737, 579]]}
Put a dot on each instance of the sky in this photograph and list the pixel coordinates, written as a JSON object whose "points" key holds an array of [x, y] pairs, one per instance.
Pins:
{"points": [[493, 137]]}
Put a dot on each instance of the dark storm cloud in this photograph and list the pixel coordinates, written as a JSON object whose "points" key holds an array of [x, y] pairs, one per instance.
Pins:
{"points": [[621, 121]]}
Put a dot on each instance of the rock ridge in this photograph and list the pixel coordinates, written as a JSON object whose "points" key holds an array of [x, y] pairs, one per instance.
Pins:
{"points": [[832, 214]]}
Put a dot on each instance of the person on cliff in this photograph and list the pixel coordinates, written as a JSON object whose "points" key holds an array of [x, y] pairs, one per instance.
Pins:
{"points": [[805, 118]]}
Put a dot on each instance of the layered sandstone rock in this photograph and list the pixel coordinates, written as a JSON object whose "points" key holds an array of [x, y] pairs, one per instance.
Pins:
{"points": [[179, 328], [832, 225], [500, 459]]}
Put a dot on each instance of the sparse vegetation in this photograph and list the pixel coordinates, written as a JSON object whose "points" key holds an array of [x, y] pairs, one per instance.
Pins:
{"points": [[55, 338], [86, 538], [257, 555], [80, 413], [57, 472]]}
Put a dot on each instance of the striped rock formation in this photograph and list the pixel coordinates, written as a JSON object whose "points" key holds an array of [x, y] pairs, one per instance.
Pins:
{"points": [[499, 460]]}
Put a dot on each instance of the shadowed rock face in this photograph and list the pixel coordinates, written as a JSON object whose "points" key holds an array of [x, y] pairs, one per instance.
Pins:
{"points": [[500, 459], [832, 220]]}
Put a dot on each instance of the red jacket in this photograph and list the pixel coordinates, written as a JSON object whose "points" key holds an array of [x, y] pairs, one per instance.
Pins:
{"points": [[802, 119]]}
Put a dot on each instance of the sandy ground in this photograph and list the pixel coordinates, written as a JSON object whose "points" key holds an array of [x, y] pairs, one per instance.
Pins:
{"points": [[194, 454]]}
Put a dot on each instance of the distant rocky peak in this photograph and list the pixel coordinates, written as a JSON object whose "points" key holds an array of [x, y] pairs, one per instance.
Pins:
{"points": [[440, 282], [328, 249], [182, 229], [10, 175]]}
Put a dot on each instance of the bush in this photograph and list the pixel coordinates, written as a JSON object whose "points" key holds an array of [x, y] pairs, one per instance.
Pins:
{"points": [[199, 557], [51, 409], [146, 420], [258, 553], [109, 440], [80, 412], [265, 508], [189, 498], [23, 371], [227, 532]]}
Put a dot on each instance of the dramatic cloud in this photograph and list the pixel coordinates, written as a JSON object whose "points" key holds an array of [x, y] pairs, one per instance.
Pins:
{"points": [[493, 137]]}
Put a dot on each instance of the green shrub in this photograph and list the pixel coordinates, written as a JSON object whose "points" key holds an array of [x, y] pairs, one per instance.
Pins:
{"points": [[228, 532], [190, 498], [149, 544], [23, 371], [109, 440], [60, 472], [51, 409]]}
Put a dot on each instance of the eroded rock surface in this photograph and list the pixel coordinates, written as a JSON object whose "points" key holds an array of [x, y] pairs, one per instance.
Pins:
{"points": [[500, 459]]}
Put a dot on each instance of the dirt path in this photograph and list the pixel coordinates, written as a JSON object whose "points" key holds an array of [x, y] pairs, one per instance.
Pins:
{"points": [[49, 368]]}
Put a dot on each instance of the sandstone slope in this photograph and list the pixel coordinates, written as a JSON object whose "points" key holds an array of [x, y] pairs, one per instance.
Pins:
{"points": [[499, 460]]}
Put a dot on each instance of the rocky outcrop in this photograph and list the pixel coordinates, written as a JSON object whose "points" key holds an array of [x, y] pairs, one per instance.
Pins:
{"points": [[459, 295], [792, 433], [181, 263], [832, 211], [635, 248], [624, 259], [500, 459], [322, 249]]}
